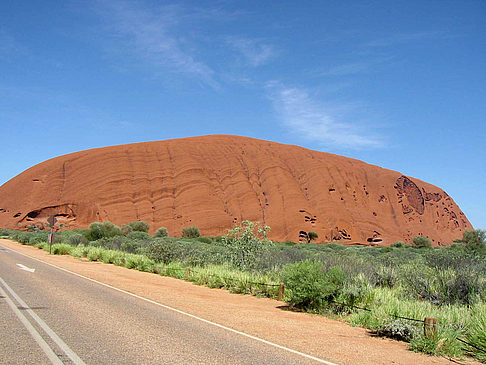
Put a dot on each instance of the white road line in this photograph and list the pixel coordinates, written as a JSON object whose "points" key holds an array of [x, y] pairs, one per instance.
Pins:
{"points": [[33, 332], [187, 314], [62, 345], [23, 267]]}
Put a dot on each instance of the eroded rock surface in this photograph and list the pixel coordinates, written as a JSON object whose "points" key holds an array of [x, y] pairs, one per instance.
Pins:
{"points": [[216, 181]]}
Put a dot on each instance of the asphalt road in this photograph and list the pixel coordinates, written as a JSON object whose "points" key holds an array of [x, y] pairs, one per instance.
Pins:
{"points": [[52, 316]]}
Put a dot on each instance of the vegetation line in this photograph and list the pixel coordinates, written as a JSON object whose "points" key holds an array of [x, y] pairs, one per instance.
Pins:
{"points": [[389, 290]]}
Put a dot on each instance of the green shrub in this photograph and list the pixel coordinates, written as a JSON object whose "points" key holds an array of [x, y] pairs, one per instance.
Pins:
{"points": [[205, 240], [102, 230], [61, 249], [95, 254], [161, 232], [422, 242], [397, 329], [473, 238], [77, 239], [131, 246], [246, 243], [310, 287], [191, 232], [80, 251], [398, 244], [138, 235], [139, 226], [162, 250], [22, 237]]}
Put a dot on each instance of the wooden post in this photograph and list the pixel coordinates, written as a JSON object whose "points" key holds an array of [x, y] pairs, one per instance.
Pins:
{"points": [[430, 327], [281, 292], [188, 272]]}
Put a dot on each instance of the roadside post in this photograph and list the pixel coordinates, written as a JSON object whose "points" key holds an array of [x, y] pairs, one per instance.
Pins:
{"points": [[430, 327], [281, 292], [51, 221]]}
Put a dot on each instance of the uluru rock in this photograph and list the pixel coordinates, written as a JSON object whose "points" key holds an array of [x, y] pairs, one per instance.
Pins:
{"points": [[216, 181]]}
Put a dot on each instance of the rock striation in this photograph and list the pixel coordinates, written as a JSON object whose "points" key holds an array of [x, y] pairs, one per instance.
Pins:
{"points": [[216, 181]]}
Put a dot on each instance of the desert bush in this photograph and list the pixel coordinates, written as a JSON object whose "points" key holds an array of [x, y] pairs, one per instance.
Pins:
{"points": [[139, 262], [422, 242], [4, 232], [139, 226], [310, 287], [77, 239], [99, 230], [162, 250], [397, 244], [384, 276], [397, 329], [95, 253], [191, 232], [22, 237], [138, 235], [205, 240], [37, 237], [161, 232], [80, 251], [246, 243], [473, 238], [61, 249]]}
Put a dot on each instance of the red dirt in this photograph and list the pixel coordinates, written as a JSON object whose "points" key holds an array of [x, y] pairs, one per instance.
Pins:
{"points": [[216, 181]]}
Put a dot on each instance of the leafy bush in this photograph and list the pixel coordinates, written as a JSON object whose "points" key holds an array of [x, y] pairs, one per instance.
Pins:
{"points": [[397, 244], [99, 230], [422, 242], [246, 243], [473, 238], [77, 239], [162, 250], [139, 226], [191, 232], [310, 287], [161, 232]]}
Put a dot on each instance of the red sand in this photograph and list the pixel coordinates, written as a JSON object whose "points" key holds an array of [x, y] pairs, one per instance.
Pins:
{"points": [[215, 181]]}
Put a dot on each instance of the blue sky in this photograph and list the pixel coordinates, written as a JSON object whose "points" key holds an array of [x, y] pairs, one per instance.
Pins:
{"points": [[399, 84]]}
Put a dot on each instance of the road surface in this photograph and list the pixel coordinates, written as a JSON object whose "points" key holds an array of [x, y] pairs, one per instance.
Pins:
{"points": [[51, 316]]}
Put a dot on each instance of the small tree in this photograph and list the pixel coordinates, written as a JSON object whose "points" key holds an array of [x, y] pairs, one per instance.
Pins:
{"points": [[312, 236], [161, 232], [246, 242], [422, 242], [473, 238], [191, 232]]}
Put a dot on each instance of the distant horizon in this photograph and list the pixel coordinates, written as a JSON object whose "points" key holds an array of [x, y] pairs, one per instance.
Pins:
{"points": [[398, 84]]}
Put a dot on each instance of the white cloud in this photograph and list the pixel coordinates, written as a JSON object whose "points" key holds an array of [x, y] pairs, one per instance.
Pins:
{"points": [[152, 36], [255, 52], [319, 122]]}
